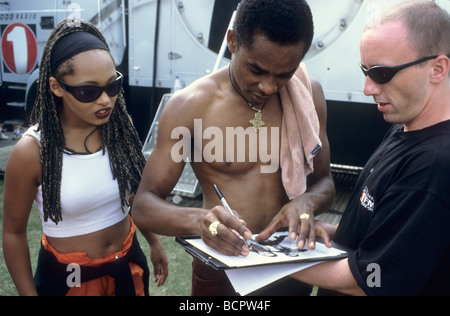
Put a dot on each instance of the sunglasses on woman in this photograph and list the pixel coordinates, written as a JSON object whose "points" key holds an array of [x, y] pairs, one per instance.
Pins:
{"points": [[88, 94], [384, 74]]}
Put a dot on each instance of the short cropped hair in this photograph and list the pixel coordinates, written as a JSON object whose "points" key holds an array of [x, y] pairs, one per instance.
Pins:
{"points": [[286, 22], [427, 23]]}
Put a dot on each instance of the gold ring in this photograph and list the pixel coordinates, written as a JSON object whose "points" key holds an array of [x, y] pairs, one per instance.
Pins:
{"points": [[213, 228], [304, 216]]}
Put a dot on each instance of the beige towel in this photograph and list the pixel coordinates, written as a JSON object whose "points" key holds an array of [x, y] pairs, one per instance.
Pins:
{"points": [[300, 130]]}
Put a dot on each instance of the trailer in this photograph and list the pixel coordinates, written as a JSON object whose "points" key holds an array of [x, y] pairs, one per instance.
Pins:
{"points": [[155, 41]]}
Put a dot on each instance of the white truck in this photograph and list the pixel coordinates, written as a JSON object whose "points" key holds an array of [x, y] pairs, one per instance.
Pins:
{"points": [[155, 41]]}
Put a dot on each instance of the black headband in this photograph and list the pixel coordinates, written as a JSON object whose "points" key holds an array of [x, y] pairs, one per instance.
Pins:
{"points": [[74, 44]]}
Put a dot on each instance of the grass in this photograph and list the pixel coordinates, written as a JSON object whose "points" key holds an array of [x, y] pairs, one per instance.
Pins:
{"points": [[180, 263]]}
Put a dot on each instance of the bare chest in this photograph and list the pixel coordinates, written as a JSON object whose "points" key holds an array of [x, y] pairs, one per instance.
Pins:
{"points": [[239, 138]]}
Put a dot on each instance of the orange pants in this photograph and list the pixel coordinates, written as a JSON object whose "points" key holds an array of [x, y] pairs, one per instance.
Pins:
{"points": [[105, 285]]}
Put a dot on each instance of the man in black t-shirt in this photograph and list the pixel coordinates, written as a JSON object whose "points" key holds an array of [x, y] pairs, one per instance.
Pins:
{"points": [[397, 220]]}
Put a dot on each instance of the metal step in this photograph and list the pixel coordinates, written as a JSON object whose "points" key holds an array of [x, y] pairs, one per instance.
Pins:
{"points": [[16, 104], [14, 122], [18, 87], [188, 185]]}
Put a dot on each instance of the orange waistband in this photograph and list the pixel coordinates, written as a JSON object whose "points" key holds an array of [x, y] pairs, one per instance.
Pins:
{"points": [[82, 259]]}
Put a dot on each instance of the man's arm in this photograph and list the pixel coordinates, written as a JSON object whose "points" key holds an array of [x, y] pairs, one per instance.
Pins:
{"points": [[150, 210], [331, 275], [319, 196], [152, 213]]}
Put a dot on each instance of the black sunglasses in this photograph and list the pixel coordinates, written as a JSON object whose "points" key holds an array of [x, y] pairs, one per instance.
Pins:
{"points": [[384, 74], [88, 94]]}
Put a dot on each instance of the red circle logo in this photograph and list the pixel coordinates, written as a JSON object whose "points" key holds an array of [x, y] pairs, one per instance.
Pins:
{"points": [[19, 48]]}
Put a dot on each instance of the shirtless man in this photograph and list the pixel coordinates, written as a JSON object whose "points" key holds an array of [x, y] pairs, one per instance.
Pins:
{"points": [[263, 62]]}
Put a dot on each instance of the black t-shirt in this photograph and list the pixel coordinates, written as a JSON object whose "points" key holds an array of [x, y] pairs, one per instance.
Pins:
{"points": [[399, 215]]}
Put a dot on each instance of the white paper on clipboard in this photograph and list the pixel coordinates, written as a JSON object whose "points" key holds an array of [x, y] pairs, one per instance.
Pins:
{"points": [[268, 261], [278, 249], [248, 280]]}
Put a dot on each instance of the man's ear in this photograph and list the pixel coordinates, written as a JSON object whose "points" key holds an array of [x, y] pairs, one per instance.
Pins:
{"points": [[231, 39], [55, 87], [441, 69]]}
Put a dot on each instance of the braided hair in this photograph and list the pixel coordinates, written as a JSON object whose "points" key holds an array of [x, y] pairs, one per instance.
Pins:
{"points": [[118, 134]]}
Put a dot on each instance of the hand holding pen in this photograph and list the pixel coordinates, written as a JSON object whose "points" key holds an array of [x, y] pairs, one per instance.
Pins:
{"points": [[227, 207], [224, 231]]}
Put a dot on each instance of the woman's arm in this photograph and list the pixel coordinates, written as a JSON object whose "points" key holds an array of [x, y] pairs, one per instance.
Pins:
{"points": [[22, 179]]}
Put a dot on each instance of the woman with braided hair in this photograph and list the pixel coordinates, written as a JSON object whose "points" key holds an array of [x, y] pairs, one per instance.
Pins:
{"points": [[81, 163]]}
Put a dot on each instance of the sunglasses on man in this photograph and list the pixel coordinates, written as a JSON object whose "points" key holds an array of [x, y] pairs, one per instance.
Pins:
{"points": [[88, 94], [384, 74]]}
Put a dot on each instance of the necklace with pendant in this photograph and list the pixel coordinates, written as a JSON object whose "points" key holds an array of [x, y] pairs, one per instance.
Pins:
{"points": [[257, 122]]}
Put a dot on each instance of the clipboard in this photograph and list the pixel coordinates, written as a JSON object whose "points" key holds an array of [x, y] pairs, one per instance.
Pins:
{"points": [[198, 249], [202, 256]]}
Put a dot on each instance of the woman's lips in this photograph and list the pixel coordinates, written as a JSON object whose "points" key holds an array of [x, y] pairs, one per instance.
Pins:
{"points": [[103, 113]]}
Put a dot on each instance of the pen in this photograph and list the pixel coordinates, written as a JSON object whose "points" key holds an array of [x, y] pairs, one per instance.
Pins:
{"points": [[227, 207]]}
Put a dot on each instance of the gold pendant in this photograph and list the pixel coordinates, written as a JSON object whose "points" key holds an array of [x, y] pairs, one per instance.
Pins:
{"points": [[257, 122]]}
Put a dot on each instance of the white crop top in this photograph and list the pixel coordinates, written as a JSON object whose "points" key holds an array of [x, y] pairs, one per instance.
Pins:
{"points": [[90, 199]]}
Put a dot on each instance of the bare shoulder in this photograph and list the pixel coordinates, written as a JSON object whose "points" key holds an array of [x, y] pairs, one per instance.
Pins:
{"points": [[27, 149], [25, 159], [319, 99], [193, 101], [176, 126], [318, 93]]}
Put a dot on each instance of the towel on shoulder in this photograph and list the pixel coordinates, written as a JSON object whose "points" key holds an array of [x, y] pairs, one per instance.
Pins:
{"points": [[300, 132]]}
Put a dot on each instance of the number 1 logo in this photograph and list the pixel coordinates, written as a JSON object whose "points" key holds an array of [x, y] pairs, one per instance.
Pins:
{"points": [[19, 48]]}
